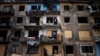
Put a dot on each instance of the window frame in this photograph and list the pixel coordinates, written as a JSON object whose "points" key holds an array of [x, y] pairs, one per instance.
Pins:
{"points": [[18, 19], [89, 50], [81, 19], [72, 49], [68, 19], [20, 8], [66, 7], [80, 7]]}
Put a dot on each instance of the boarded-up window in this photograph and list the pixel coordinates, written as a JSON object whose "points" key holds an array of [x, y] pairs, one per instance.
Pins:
{"points": [[84, 35], [68, 34], [2, 49], [48, 33]]}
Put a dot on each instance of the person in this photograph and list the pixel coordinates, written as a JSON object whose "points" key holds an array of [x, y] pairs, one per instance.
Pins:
{"points": [[45, 51], [55, 21]]}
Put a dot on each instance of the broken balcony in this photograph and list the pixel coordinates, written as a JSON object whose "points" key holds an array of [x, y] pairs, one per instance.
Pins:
{"points": [[45, 39], [52, 22], [94, 10], [7, 10], [35, 12], [96, 33], [3, 36], [51, 9], [5, 22], [96, 26], [33, 22]]}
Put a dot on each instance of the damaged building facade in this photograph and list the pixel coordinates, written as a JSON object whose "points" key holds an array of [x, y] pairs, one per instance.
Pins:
{"points": [[49, 28]]}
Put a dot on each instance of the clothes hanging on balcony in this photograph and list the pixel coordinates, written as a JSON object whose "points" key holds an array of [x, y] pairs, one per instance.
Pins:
{"points": [[31, 42]]}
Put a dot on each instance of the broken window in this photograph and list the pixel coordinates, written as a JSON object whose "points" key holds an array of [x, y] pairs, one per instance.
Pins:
{"points": [[84, 35], [7, 8], [55, 49], [54, 34], [69, 49], [35, 7], [80, 7], [19, 19], [94, 7], [66, 19], [49, 19], [21, 8], [66, 8], [99, 7], [82, 20], [13, 49], [3, 35], [35, 20], [33, 33], [32, 50], [96, 32], [86, 49], [18, 33], [50, 6], [5, 20], [97, 19], [52, 20], [16, 36]]}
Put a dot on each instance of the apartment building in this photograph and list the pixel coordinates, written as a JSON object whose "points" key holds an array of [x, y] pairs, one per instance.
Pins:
{"points": [[49, 28]]}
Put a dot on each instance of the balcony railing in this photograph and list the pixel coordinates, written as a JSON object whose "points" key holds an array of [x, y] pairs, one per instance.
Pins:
{"points": [[95, 12], [8, 11], [34, 13], [45, 39], [96, 26], [51, 12], [5, 25], [51, 25]]}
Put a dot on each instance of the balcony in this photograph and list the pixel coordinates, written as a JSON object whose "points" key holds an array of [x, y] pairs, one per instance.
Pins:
{"points": [[15, 39], [32, 26], [51, 25], [51, 12], [45, 39], [7, 11], [96, 26], [5, 25], [94, 10], [32, 13], [95, 13]]}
